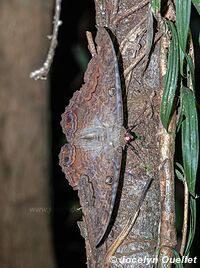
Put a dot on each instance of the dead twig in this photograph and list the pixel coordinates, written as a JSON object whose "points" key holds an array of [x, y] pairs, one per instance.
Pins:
{"points": [[131, 221], [185, 219], [142, 54], [130, 12], [42, 72]]}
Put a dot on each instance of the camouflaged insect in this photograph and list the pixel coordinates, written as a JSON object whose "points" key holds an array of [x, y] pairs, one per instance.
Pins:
{"points": [[93, 125]]}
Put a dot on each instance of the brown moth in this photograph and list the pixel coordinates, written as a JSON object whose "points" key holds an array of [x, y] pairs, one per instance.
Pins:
{"points": [[93, 125]]}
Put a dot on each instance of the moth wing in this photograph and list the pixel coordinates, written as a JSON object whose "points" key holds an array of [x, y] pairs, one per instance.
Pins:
{"points": [[99, 100]]}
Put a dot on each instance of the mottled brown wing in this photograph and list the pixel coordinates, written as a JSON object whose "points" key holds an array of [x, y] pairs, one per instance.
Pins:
{"points": [[96, 107]]}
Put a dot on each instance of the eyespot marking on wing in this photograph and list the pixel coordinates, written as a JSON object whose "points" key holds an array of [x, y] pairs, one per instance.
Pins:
{"points": [[67, 155], [69, 123]]}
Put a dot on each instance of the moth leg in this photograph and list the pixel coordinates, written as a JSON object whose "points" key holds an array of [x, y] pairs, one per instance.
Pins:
{"points": [[133, 149], [130, 128]]}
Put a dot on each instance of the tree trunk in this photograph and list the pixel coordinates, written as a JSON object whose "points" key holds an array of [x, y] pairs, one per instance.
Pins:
{"points": [[139, 226], [24, 193]]}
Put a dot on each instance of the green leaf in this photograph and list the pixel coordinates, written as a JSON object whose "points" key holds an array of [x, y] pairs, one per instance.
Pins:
{"points": [[180, 174], [180, 167], [190, 138], [196, 3], [171, 77], [179, 122], [183, 11], [190, 69], [192, 225], [155, 6], [178, 258]]}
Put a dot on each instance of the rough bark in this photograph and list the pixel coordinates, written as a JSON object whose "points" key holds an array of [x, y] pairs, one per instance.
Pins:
{"points": [[131, 239], [24, 193]]}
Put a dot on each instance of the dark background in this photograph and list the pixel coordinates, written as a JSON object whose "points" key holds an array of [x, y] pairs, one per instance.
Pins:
{"points": [[66, 77]]}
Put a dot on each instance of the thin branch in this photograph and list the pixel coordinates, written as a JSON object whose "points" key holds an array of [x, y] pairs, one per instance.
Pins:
{"points": [[44, 70], [120, 238], [125, 231], [185, 219], [130, 12], [167, 233], [115, 7], [135, 63], [142, 54], [132, 35]]}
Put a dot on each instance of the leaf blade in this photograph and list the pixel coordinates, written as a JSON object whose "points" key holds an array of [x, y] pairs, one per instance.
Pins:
{"points": [[171, 78], [183, 11], [196, 3], [190, 139], [192, 225]]}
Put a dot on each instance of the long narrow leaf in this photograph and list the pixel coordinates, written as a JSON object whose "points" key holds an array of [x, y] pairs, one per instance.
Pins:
{"points": [[171, 77], [183, 11], [179, 171], [179, 175], [192, 225], [196, 3], [190, 139], [190, 67], [178, 263]]}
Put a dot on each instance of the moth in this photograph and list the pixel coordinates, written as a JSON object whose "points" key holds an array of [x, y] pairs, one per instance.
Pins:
{"points": [[94, 127]]}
